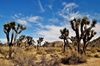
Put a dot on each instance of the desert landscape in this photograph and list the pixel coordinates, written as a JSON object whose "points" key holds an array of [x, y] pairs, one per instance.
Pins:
{"points": [[47, 56], [24, 52], [49, 33]]}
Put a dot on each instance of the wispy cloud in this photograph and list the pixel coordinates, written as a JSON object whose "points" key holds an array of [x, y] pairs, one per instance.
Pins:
{"points": [[68, 11], [41, 6], [53, 20], [34, 19], [70, 5], [26, 20]]}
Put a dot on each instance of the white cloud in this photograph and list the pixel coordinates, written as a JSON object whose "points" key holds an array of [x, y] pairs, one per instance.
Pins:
{"points": [[69, 5], [53, 20], [34, 19], [97, 29], [68, 11], [22, 21], [3, 40], [52, 33], [27, 20]]}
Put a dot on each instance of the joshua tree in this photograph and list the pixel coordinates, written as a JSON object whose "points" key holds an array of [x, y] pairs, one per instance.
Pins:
{"points": [[20, 39], [10, 29], [30, 40], [19, 28], [7, 28], [64, 36], [82, 31], [39, 41]]}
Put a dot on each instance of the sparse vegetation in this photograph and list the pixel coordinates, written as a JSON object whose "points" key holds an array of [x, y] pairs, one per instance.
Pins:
{"points": [[26, 53]]}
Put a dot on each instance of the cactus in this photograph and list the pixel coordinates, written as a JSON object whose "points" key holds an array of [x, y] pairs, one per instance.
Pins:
{"points": [[83, 32], [64, 36]]}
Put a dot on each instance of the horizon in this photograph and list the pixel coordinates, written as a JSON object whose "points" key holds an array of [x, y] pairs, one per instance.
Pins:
{"points": [[44, 18]]}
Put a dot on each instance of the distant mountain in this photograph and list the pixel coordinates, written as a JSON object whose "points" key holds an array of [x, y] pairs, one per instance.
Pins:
{"points": [[54, 44]]}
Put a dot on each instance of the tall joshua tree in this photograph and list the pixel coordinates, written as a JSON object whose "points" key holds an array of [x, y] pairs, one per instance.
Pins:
{"points": [[10, 29], [64, 36], [7, 28], [83, 31]]}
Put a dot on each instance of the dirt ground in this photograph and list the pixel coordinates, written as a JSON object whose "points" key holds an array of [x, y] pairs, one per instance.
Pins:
{"points": [[91, 62]]}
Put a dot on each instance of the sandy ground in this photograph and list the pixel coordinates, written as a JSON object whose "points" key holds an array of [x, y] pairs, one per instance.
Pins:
{"points": [[91, 62]]}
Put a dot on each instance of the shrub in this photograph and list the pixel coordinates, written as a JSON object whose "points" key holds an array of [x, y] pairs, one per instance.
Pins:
{"points": [[54, 61], [73, 59], [93, 50], [21, 58], [97, 55]]}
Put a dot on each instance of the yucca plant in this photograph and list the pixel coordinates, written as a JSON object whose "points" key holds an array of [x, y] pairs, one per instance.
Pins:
{"points": [[83, 31], [7, 28], [64, 35], [20, 39], [10, 30], [19, 28], [39, 41], [30, 40]]}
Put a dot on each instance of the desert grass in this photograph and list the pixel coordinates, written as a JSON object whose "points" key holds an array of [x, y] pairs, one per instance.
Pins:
{"points": [[44, 56]]}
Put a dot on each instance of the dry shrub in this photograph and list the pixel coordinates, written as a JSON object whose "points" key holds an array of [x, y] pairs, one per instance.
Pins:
{"points": [[49, 50], [4, 50], [97, 55], [98, 49], [29, 48], [54, 61], [21, 58], [4, 62], [73, 59], [93, 50]]}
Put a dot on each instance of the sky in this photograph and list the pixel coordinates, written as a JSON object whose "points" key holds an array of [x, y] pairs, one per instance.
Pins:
{"points": [[44, 18]]}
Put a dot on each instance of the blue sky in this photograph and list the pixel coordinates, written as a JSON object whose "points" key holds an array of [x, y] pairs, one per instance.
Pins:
{"points": [[45, 17]]}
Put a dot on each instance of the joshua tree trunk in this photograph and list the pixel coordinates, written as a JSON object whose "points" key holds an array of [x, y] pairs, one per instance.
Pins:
{"points": [[78, 46], [10, 45], [64, 45], [15, 37], [7, 35], [85, 47]]}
